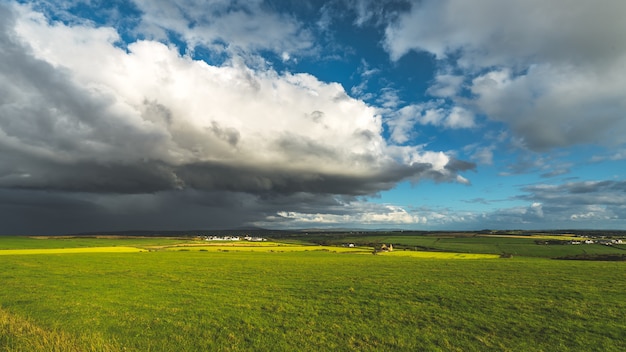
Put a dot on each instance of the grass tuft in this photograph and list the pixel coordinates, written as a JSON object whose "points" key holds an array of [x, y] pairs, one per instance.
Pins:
{"points": [[19, 334]]}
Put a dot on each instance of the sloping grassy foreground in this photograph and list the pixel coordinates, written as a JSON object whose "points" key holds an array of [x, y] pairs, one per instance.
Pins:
{"points": [[19, 334], [308, 301]]}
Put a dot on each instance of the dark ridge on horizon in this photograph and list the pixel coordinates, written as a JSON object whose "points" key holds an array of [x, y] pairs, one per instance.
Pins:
{"points": [[321, 231]]}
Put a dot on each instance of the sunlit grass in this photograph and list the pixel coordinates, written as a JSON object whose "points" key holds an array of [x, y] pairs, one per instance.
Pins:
{"points": [[440, 255], [265, 247], [20, 334], [71, 250], [516, 245], [192, 295], [310, 301], [39, 242]]}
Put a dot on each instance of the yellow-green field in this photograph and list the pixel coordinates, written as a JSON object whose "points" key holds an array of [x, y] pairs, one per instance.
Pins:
{"points": [[239, 246], [71, 250], [440, 255], [247, 247], [264, 247]]}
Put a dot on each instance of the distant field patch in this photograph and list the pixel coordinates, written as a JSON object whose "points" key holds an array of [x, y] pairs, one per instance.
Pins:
{"points": [[564, 237], [281, 247], [71, 250], [440, 255], [230, 244], [265, 247]]}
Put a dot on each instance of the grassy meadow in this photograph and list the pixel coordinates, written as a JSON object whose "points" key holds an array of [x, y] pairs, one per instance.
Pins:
{"points": [[516, 245], [178, 296]]}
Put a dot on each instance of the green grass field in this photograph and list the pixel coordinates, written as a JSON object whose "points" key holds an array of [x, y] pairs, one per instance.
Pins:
{"points": [[24, 242], [518, 246], [118, 249], [314, 300]]}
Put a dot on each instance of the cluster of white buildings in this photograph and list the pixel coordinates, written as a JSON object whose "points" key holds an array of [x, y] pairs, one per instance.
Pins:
{"points": [[605, 242], [234, 238]]}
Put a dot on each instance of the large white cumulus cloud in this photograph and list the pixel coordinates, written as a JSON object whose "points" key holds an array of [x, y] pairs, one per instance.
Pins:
{"points": [[80, 113], [552, 70]]}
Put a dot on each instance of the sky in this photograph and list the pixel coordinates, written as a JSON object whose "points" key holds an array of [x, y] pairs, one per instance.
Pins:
{"points": [[424, 115]]}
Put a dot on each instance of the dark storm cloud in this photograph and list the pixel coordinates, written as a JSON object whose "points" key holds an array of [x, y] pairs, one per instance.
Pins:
{"points": [[35, 212], [52, 143], [58, 134], [93, 136], [49, 212], [26, 212], [282, 180], [85, 176]]}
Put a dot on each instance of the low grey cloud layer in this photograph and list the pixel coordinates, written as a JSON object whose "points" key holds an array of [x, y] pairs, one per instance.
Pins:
{"points": [[592, 203]]}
